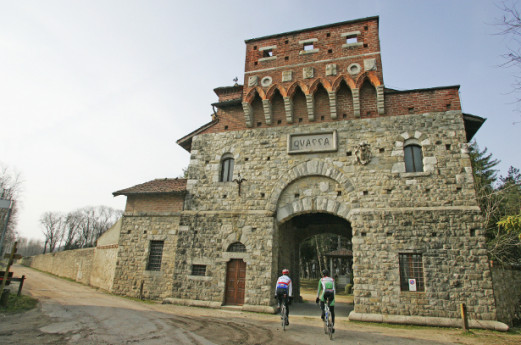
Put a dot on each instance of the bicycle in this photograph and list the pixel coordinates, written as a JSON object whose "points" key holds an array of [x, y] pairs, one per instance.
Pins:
{"points": [[283, 314], [328, 321]]}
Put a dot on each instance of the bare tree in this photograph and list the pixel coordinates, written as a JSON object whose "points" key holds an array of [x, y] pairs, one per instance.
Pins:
{"points": [[29, 247], [52, 223], [72, 224], [84, 226], [77, 229], [105, 218], [87, 227], [510, 25], [10, 189]]}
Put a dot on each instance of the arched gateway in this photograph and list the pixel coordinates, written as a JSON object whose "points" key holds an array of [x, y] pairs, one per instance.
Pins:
{"points": [[313, 142], [310, 199]]}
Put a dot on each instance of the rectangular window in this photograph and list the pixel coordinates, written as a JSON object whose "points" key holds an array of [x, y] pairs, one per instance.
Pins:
{"points": [[351, 39], [199, 270], [308, 46], [411, 272], [267, 53], [155, 255]]}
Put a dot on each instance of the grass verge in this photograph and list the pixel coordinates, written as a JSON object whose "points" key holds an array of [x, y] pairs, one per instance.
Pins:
{"points": [[17, 304]]}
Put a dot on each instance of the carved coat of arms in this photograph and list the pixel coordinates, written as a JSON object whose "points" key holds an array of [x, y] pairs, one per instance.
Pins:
{"points": [[363, 153]]}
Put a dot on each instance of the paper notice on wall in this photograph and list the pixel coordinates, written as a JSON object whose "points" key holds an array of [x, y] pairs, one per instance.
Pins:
{"points": [[412, 284]]}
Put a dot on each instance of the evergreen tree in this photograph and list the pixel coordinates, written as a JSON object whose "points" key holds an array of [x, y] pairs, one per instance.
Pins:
{"points": [[483, 167], [510, 188]]}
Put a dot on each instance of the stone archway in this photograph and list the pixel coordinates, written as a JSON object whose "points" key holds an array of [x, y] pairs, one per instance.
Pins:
{"points": [[326, 201], [311, 198], [292, 232]]}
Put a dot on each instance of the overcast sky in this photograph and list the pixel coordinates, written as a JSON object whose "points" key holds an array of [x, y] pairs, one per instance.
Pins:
{"points": [[94, 94]]}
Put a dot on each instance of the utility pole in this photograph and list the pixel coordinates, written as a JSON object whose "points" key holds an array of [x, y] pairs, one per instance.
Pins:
{"points": [[5, 204], [6, 273]]}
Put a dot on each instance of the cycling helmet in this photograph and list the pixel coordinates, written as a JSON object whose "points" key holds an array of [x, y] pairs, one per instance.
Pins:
{"points": [[325, 272], [285, 271]]}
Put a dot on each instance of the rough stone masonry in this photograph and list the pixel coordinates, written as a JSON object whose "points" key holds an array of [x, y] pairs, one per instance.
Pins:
{"points": [[311, 143]]}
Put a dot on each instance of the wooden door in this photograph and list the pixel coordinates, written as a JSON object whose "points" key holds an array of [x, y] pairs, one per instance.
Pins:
{"points": [[235, 282]]}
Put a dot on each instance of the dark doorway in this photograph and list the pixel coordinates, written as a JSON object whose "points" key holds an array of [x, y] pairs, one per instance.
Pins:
{"points": [[235, 282], [293, 232]]}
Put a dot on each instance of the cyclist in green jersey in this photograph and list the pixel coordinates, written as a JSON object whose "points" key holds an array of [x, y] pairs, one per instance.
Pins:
{"points": [[326, 292]]}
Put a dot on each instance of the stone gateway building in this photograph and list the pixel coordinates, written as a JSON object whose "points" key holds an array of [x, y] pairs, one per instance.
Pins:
{"points": [[313, 143]]}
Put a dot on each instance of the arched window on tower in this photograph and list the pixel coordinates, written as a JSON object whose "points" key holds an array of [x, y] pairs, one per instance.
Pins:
{"points": [[413, 158], [226, 168], [237, 247]]}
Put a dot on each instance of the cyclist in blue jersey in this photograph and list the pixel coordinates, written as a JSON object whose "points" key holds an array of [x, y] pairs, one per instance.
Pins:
{"points": [[326, 293], [284, 291]]}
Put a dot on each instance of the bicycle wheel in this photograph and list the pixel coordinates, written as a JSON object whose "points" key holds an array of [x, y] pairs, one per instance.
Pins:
{"points": [[283, 316], [330, 326], [326, 316]]}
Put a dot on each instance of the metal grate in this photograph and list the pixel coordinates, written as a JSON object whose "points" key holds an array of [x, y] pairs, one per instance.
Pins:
{"points": [[155, 255], [237, 247], [411, 267], [198, 270]]}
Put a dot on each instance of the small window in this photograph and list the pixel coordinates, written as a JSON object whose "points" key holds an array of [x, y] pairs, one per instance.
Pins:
{"points": [[351, 39], [267, 53], [411, 272], [199, 270], [308, 47], [237, 247], [227, 168], [155, 255], [413, 158]]}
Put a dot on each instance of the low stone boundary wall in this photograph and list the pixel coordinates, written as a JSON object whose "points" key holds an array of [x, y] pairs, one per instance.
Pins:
{"points": [[104, 266], [507, 292], [73, 264]]}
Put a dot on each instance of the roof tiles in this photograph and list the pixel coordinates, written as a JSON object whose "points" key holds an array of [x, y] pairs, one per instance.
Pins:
{"points": [[157, 186]]}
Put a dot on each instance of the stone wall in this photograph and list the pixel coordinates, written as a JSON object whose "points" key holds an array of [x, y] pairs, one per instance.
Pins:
{"points": [[132, 278], [261, 157], [507, 283], [104, 266], [455, 263], [104, 260], [433, 213], [72, 264], [92, 266], [204, 240]]}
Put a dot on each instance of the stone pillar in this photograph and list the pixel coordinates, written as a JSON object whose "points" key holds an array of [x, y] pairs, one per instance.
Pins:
{"points": [[310, 104], [266, 105], [248, 114], [332, 104], [380, 99], [288, 107], [356, 102]]}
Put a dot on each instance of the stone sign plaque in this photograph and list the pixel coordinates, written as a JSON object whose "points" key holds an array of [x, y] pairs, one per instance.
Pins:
{"points": [[312, 142]]}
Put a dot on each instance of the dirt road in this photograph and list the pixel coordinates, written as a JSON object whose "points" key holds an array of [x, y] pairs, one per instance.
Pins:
{"points": [[70, 313]]}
